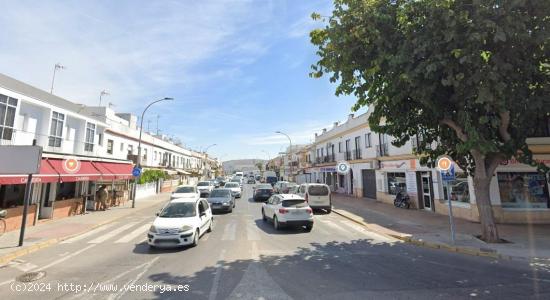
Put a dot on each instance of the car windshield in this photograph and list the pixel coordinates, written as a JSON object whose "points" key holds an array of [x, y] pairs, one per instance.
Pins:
{"points": [[220, 193], [264, 186], [178, 210], [203, 183], [231, 185], [294, 203], [318, 190], [185, 189], [236, 180]]}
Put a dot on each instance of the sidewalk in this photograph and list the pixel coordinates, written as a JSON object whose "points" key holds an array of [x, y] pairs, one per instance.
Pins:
{"points": [[433, 230], [45, 234]]}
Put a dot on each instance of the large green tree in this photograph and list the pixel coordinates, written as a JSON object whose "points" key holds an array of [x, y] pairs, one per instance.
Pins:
{"points": [[469, 76]]}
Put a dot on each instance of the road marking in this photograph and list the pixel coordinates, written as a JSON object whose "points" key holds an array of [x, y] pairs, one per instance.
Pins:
{"points": [[255, 252], [373, 235], [111, 234], [216, 283], [21, 265], [252, 233], [338, 228], [229, 232], [134, 234], [89, 233], [133, 281]]}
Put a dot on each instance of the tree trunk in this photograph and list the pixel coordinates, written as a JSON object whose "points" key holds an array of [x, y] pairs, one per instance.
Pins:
{"points": [[489, 232]]}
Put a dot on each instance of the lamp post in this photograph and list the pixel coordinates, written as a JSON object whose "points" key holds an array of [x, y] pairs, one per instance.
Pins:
{"points": [[289, 149], [139, 145], [103, 93], [55, 68], [206, 149], [207, 170]]}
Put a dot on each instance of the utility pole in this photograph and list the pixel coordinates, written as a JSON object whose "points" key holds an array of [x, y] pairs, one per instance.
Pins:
{"points": [[55, 68]]}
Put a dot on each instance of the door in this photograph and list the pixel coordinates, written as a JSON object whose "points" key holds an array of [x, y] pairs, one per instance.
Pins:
{"points": [[203, 218], [369, 183], [426, 187]]}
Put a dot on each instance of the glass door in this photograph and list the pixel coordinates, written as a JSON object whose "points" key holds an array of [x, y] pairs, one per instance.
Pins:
{"points": [[426, 190]]}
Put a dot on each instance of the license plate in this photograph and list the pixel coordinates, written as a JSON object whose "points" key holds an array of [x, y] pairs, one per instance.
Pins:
{"points": [[295, 212]]}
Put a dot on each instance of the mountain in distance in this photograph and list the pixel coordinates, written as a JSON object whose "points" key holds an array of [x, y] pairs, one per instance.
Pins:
{"points": [[244, 165]]}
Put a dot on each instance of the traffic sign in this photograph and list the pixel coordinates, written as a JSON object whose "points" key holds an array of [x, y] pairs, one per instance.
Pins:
{"points": [[136, 172], [449, 175], [343, 167], [444, 163]]}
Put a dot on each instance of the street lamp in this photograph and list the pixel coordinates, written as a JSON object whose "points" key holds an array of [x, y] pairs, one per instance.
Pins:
{"points": [[139, 144], [206, 149], [289, 149], [103, 93], [55, 68]]}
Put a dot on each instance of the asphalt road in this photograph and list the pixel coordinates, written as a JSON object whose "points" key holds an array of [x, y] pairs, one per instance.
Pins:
{"points": [[244, 258]]}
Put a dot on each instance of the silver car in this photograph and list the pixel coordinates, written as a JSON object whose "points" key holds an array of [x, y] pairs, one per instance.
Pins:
{"points": [[221, 200]]}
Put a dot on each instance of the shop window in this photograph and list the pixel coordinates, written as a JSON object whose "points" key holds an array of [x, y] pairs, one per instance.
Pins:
{"points": [[396, 183], [11, 195], [66, 190], [523, 190], [457, 190]]}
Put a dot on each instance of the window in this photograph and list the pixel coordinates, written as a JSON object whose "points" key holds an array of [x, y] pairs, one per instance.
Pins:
{"points": [[130, 149], [357, 142], [100, 139], [56, 129], [7, 116], [155, 155], [367, 140], [457, 190], [339, 147], [145, 153], [110, 146], [396, 183], [89, 141], [523, 190]]}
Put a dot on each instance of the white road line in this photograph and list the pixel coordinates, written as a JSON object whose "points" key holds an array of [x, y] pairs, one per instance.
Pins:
{"points": [[111, 234], [134, 234], [229, 232], [216, 282], [252, 233], [338, 228], [133, 281], [22, 265], [373, 235], [255, 252], [89, 233]]}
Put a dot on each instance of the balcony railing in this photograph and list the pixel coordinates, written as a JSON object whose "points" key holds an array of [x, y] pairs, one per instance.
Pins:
{"points": [[347, 155], [382, 150], [329, 158], [357, 154]]}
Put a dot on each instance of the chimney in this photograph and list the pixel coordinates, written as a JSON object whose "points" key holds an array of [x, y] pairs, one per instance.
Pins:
{"points": [[350, 116], [316, 134], [335, 124], [324, 130]]}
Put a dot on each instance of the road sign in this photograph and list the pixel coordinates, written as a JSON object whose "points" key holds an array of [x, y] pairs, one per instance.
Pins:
{"points": [[444, 163], [448, 175], [343, 168], [136, 172]]}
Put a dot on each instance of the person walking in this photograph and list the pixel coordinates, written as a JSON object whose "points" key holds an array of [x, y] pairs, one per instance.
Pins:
{"points": [[102, 196]]}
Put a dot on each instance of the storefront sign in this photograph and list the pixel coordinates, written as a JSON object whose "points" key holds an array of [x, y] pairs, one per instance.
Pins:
{"points": [[343, 168], [327, 170], [71, 165], [410, 179], [400, 164], [514, 161]]}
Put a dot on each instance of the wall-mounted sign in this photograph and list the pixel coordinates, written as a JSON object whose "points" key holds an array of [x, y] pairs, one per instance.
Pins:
{"points": [[327, 170], [71, 165], [343, 167]]}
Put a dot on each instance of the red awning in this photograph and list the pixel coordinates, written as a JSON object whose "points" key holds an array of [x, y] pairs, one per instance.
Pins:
{"points": [[114, 171], [47, 174], [86, 171]]}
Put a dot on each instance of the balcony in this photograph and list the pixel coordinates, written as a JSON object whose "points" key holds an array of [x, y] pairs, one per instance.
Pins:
{"points": [[357, 154], [347, 155], [329, 158], [382, 150]]}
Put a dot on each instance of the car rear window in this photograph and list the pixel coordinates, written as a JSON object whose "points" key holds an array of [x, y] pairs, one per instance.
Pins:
{"points": [[318, 190], [186, 189], [294, 203]]}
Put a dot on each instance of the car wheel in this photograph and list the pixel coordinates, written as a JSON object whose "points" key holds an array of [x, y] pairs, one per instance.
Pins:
{"points": [[309, 227], [195, 239], [210, 226], [233, 204], [264, 218], [329, 210], [276, 224]]}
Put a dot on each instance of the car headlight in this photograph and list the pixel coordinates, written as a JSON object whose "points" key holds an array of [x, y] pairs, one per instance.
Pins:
{"points": [[153, 229], [226, 203], [185, 228]]}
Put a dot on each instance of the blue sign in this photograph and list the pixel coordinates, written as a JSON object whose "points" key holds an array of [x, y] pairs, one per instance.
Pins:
{"points": [[449, 175], [136, 172]]}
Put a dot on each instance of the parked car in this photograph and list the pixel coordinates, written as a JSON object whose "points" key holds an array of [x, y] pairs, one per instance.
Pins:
{"points": [[317, 195], [258, 177], [280, 186], [292, 189], [181, 222], [205, 187], [251, 180], [288, 210], [262, 192], [221, 200], [185, 191], [235, 189], [237, 180]]}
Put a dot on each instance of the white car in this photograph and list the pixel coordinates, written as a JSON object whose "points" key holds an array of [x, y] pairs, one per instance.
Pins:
{"points": [[317, 195], [205, 187], [235, 188], [181, 222], [185, 191], [288, 210]]}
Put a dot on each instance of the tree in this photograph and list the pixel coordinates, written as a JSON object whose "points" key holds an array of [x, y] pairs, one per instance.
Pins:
{"points": [[260, 166], [471, 77]]}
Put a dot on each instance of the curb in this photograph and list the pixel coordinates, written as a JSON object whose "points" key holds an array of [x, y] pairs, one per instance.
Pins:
{"points": [[432, 245], [6, 258]]}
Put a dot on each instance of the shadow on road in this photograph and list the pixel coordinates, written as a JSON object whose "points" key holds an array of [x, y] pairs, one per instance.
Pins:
{"points": [[267, 227]]}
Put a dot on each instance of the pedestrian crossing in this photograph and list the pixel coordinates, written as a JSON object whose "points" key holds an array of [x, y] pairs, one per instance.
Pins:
{"points": [[230, 229]]}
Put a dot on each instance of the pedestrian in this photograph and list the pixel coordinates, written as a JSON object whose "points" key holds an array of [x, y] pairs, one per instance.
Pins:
{"points": [[102, 196]]}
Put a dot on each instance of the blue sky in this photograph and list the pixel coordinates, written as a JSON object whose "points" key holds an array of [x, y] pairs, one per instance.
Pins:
{"points": [[238, 69]]}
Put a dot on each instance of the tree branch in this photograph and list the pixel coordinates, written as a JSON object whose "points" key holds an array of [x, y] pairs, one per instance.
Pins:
{"points": [[459, 132], [493, 162], [504, 123]]}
